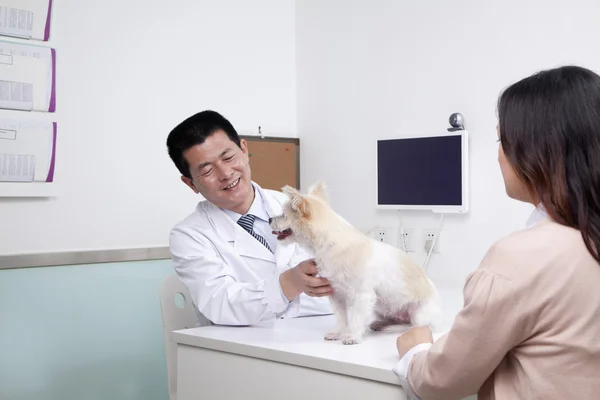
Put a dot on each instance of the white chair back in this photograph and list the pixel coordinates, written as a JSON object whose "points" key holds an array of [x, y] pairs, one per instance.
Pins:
{"points": [[178, 312]]}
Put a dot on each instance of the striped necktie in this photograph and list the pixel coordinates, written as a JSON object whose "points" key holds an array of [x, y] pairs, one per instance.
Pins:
{"points": [[247, 222]]}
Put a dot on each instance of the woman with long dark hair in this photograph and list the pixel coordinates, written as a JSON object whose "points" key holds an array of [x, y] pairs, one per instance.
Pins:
{"points": [[530, 326]]}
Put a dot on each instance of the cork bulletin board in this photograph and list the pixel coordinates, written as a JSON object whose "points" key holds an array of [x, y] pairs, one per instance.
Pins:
{"points": [[275, 161]]}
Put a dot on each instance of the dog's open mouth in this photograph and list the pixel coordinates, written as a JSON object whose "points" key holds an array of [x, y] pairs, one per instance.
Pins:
{"points": [[283, 234]]}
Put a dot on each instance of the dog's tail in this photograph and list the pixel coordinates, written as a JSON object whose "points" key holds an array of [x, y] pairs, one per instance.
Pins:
{"points": [[429, 314]]}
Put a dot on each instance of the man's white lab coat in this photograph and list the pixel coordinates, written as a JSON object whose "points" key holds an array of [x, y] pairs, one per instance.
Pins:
{"points": [[232, 278]]}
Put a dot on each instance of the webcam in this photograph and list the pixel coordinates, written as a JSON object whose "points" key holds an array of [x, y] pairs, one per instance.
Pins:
{"points": [[457, 122]]}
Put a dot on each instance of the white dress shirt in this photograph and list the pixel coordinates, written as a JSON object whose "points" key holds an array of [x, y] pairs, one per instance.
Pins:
{"points": [[537, 215], [261, 223], [402, 367]]}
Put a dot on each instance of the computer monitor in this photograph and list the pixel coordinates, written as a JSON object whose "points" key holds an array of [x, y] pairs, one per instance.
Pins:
{"points": [[424, 173]]}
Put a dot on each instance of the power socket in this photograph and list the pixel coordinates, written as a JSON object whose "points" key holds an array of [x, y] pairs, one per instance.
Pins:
{"points": [[429, 236], [381, 235], [409, 236]]}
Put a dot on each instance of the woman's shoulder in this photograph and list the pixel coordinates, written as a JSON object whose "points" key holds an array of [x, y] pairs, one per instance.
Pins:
{"points": [[542, 236], [525, 253]]}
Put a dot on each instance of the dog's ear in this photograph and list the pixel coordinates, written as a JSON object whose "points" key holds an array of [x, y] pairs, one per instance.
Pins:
{"points": [[290, 191], [319, 190], [301, 205], [297, 201]]}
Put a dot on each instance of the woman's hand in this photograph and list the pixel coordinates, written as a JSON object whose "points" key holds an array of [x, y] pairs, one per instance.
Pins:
{"points": [[415, 336]]}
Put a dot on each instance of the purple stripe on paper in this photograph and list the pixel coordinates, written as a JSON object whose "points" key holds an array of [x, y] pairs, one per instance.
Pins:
{"points": [[52, 107], [50, 177], [47, 31]]}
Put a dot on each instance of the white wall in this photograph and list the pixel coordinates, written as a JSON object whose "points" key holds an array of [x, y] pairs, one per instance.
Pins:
{"points": [[375, 69], [127, 72]]}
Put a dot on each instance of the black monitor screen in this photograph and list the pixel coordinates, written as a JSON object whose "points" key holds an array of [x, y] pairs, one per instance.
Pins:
{"points": [[420, 171]]}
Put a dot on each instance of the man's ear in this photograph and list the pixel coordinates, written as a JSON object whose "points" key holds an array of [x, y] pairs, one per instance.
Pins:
{"points": [[244, 146], [297, 201], [319, 190], [189, 182]]}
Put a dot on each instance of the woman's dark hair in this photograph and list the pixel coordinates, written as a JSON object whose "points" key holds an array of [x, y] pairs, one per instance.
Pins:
{"points": [[550, 133], [194, 130]]}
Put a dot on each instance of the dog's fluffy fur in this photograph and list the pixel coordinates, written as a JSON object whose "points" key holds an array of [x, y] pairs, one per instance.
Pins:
{"points": [[369, 278]]}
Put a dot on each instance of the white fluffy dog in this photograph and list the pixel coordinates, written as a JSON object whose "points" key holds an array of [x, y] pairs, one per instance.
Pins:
{"points": [[368, 278]]}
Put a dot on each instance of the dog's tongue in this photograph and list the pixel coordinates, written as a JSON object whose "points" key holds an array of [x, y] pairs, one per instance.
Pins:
{"points": [[283, 234]]}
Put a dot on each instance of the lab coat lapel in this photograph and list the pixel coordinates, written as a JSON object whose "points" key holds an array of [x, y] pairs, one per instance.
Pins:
{"points": [[243, 243], [283, 253]]}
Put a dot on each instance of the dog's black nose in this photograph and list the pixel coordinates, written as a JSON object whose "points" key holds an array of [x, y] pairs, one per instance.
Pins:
{"points": [[270, 220]]}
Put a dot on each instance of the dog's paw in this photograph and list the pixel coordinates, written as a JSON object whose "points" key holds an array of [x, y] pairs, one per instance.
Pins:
{"points": [[379, 325], [349, 340], [333, 336]]}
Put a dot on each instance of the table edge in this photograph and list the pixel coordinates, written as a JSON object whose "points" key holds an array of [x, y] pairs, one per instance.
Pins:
{"points": [[281, 356]]}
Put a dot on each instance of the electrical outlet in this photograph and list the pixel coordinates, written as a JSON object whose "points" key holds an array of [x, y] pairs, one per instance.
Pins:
{"points": [[409, 236], [429, 236], [381, 235]]}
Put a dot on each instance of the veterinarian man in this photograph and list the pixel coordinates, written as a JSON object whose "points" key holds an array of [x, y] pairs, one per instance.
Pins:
{"points": [[224, 252]]}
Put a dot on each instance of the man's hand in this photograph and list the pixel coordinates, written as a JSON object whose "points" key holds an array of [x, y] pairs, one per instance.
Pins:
{"points": [[415, 336], [301, 279]]}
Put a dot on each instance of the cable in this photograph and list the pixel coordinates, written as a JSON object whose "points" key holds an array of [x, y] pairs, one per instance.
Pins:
{"points": [[402, 238], [432, 245]]}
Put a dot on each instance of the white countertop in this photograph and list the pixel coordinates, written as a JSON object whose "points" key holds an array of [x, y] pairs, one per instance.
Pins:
{"points": [[299, 341]]}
